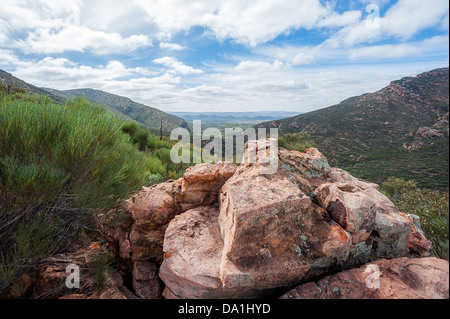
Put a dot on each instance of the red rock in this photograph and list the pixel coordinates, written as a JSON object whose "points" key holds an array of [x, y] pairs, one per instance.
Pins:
{"points": [[154, 206], [418, 245], [146, 283], [269, 233], [350, 207], [402, 278], [193, 249], [201, 184], [114, 289]]}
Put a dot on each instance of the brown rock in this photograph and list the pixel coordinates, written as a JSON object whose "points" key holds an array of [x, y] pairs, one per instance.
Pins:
{"points": [[154, 206], [350, 207], [418, 245], [145, 280], [201, 184], [192, 253], [139, 235], [269, 233], [402, 278], [114, 289], [21, 288]]}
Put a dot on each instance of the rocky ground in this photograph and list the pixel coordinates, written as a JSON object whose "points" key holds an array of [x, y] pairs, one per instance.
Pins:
{"points": [[227, 231]]}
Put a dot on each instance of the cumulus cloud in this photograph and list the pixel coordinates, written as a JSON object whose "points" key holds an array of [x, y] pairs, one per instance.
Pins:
{"points": [[81, 39], [175, 66], [246, 22], [171, 46], [402, 20]]}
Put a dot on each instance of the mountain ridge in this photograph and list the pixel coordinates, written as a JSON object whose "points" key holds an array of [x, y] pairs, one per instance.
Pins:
{"points": [[144, 114], [121, 106], [401, 129]]}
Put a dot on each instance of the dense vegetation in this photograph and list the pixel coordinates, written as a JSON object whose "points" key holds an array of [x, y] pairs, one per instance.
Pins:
{"points": [[60, 165], [430, 205], [295, 141]]}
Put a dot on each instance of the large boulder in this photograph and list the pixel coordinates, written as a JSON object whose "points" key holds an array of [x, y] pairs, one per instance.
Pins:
{"points": [[138, 234], [402, 278], [272, 229]]}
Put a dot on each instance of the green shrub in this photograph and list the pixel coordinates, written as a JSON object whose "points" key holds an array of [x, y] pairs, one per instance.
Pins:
{"points": [[295, 141], [153, 179], [430, 205], [395, 187], [156, 166], [100, 267], [141, 139], [63, 163], [130, 128]]}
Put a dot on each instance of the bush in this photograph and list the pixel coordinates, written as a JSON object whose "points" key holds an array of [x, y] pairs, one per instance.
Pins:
{"points": [[430, 205], [295, 141], [156, 166], [130, 128], [58, 163], [141, 139]]}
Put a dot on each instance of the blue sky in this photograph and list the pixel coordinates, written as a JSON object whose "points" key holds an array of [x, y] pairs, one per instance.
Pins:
{"points": [[233, 55]]}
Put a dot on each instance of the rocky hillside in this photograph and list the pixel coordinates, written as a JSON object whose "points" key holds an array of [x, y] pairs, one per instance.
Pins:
{"points": [[143, 114], [401, 130], [8, 79], [224, 231]]}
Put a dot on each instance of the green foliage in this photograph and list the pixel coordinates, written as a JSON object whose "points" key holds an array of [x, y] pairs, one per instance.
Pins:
{"points": [[156, 166], [100, 267], [295, 141], [130, 128], [63, 163], [160, 164], [430, 205], [395, 187], [141, 139], [153, 179], [33, 239], [155, 143]]}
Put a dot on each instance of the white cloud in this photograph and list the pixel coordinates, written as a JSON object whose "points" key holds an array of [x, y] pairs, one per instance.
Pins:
{"points": [[171, 46], [81, 39], [246, 22], [258, 66], [437, 43], [175, 66], [61, 73], [402, 20]]}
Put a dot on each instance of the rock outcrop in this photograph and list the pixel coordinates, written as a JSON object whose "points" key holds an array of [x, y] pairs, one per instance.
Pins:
{"points": [[248, 231], [402, 278], [271, 231]]}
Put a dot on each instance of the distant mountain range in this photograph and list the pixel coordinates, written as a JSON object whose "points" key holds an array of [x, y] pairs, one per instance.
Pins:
{"points": [[121, 106], [234, 117], [401, 130]]}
